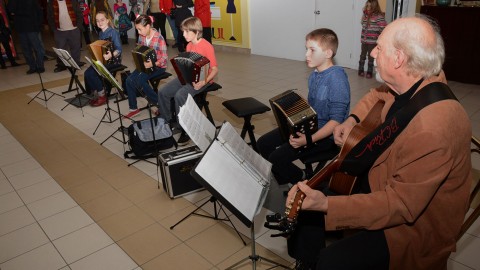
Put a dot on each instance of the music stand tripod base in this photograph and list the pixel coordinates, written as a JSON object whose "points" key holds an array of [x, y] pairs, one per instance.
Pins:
{"points": [[215, 217], [44, 91], [254, 257]]}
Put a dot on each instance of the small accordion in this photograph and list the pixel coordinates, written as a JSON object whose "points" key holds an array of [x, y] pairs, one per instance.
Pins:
{"points": [[100, 47], [190, 67], [293, 114], [142, 54]]}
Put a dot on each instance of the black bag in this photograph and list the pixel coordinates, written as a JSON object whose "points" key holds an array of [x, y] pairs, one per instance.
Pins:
{"points": [[140, 138]]}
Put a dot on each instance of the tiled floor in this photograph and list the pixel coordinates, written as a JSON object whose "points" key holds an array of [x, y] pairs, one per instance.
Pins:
{"points": [[67, 202]]}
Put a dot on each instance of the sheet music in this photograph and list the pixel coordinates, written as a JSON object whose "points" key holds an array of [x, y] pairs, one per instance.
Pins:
{"points": [[66, 58], [230, 166], [196, 125], [223, 172]]}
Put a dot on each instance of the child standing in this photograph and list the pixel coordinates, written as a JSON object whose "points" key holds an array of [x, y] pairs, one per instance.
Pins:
{"points": [[373, 23]]}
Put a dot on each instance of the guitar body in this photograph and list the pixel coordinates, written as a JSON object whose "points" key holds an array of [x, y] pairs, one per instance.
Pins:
{"points": [[340, 182]]}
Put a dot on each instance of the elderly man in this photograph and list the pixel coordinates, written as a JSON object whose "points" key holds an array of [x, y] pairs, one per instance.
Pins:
{"points": [[410, 202]]}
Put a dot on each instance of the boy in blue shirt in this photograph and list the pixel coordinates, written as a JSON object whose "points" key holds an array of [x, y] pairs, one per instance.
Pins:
{"points": [[328, 95]]}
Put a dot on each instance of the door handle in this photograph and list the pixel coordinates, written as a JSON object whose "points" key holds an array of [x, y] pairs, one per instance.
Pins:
{"points": [[317, 12]]}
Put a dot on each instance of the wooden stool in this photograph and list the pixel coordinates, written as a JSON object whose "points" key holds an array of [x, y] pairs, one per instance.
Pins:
{"points": [[246, 108]]}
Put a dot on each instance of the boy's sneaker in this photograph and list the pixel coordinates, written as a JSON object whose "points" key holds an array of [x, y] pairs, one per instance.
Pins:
{"points": [[369, 75], [361, 73], [132, 114], [184, 139]]}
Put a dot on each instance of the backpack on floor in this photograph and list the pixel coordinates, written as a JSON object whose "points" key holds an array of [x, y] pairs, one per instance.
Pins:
{"points": [[141, 138]]}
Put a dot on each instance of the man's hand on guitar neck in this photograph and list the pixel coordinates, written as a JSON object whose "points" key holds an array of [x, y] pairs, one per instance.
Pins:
{"points": [[314, 199], [340, 133]]}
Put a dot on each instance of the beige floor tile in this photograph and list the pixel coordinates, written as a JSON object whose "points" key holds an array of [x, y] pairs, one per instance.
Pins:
{"points": [[45, 257], [125, 223], [467, 251], [216, 243], [9, 201], [177, 258], [20, 241], [148, 243], [29, 178], [82, 242], [5, 186], [110, 257], [106, 205], [65, 222], [76, 177], [15, 219], [20, 167], [51, 205], [39, 190]]}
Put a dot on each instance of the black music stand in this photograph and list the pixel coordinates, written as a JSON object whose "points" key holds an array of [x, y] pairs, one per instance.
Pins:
{"points": [[44, 92], [79, 100], [216, 204], [107, 76]]}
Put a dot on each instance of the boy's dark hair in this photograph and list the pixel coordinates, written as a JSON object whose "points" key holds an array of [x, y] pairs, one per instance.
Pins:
{"points": [[193, 24], [326, 38]]}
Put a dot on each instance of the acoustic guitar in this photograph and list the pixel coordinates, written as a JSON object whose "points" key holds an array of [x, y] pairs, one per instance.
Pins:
{"points": [[340, 182]]}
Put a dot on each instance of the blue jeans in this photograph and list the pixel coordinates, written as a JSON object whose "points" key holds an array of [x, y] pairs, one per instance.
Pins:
{"points": [[173, 27], [174, 89], [30, 43], [138, 82]]}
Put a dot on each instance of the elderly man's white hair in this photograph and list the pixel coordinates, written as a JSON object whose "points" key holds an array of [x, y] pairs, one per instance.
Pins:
{"points": [[420, 40]]}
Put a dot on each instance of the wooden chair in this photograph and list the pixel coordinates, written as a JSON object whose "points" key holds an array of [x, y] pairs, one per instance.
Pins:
{"points": [[476, 212]]}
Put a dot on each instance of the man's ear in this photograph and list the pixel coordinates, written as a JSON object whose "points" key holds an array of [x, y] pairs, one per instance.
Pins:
{"points": [[400, 58]]}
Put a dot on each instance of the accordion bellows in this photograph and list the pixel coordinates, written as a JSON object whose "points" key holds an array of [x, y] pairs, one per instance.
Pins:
{"points": [[190, 67], [293, 114], [142, 54]]}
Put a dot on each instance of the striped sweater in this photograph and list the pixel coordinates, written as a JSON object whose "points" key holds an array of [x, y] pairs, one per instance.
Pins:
{"points": [[372, 27]]}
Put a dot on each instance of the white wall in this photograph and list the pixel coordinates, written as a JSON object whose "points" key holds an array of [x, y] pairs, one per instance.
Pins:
{"points": [[278, 27]]}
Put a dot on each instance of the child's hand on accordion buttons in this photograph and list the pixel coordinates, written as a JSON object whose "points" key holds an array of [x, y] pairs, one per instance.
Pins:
{"points": [[198, 85], [148, 64], [298, 141]]}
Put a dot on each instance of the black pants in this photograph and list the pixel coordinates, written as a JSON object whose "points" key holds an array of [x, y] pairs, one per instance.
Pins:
{"points": [[159, 23], [272, 147], [8, 51], [366, 50]]}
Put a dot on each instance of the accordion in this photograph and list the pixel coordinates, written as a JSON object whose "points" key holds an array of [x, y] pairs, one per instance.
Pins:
{"points": [[190, 67], [100, 47], [142, 54], [293, 114]]}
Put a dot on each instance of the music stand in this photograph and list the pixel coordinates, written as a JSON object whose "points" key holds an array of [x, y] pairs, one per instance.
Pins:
{"points": [[72, 67], [106, 75], [44, 92]]}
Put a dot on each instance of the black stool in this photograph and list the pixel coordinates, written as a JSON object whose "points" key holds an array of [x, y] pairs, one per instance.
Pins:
{"points": [[202, 102], [321, 158], [246, 108], [155, 81]]}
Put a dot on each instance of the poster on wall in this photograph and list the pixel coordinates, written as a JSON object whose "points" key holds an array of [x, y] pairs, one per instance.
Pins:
{"points": [[226, 21], [3, 13]]}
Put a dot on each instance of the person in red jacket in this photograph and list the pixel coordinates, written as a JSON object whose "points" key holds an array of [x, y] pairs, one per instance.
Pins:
{"points": [[201, 10]]}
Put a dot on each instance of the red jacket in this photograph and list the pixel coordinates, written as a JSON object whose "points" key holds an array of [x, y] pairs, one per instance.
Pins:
{"points": [[202, 11], [166, 6]]}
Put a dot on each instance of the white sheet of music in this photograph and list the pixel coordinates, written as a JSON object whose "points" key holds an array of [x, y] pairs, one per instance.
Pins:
{"points": [[196, 125], [229, 165]]}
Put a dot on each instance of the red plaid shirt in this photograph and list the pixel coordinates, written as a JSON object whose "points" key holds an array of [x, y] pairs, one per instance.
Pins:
{"points": [[158, 44]]}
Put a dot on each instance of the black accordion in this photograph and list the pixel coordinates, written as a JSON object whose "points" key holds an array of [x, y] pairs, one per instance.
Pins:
{"points": [[190, 67], [142, 54], [293, 114]]}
